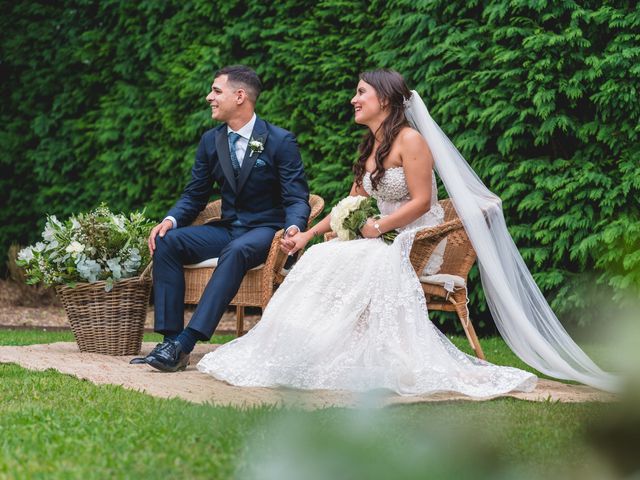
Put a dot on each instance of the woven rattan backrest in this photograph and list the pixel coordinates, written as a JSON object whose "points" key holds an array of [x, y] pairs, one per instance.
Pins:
{"points": [[449, 212], [317, 205], [459, 254], [210, 212]]}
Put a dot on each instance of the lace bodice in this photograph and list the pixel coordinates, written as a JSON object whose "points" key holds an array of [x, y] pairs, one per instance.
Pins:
{"points": [[392, 186], [393, 192]]}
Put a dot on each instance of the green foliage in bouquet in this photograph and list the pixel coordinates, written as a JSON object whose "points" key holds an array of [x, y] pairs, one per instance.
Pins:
{"points": [[357, 218], [89, 247]]}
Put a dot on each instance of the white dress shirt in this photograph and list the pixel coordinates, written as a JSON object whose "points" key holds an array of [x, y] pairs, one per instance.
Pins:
{"points": [[245, 135]]}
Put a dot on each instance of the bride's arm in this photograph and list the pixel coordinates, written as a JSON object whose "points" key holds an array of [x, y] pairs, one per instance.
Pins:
{"points": [[292, 244], [417, 163]]}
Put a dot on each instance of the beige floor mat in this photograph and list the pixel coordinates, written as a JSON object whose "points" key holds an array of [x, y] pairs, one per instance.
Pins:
{"points": [[194, 386]]}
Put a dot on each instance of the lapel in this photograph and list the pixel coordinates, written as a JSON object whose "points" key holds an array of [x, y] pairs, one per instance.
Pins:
{"points": [[222, 145], [260, 134]]}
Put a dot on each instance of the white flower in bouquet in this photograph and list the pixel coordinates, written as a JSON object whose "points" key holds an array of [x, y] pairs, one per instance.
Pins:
{"points": [[341, 212], [26, 254], [49, 232], [119, 222], [74, 248]]}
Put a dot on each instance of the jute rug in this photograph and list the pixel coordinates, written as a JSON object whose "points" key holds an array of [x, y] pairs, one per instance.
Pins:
{"points": [[194, 386]]}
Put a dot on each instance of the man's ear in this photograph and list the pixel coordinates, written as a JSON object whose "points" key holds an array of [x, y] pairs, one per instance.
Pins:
{"points": [[241, 96]]}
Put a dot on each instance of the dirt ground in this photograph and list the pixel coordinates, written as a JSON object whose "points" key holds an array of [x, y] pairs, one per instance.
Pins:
{"points": [[26, 307]]}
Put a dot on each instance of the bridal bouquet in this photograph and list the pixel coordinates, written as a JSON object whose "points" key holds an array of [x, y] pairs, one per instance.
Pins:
{"points": [[89, 247], [351, 213]]}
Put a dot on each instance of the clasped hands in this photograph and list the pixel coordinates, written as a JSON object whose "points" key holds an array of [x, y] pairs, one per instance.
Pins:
{"points": [[292, 242]]}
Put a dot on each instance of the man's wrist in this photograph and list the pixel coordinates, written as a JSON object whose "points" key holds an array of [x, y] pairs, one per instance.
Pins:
{"points": [[291, 230], [174, 222]]}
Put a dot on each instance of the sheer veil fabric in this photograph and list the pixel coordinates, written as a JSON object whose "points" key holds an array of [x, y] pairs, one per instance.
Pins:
{"points": [[520, 311]]}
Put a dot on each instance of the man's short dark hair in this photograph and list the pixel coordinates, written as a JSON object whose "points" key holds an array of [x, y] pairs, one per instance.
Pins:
{"points": [[245, 77]]}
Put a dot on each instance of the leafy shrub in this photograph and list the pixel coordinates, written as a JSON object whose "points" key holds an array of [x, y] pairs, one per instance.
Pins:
{"points": [[540, 97]]}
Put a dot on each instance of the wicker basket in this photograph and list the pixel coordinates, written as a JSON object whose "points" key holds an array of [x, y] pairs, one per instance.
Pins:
{"points": [[110, 323]]}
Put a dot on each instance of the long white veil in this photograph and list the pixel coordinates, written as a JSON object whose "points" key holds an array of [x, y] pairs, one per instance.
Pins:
{"points": [[521, 313]]}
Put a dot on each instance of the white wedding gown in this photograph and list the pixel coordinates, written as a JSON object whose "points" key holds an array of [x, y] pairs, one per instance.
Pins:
{"points": [[351, 315]]}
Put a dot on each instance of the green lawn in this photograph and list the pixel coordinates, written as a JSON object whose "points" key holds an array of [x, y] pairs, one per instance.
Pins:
{"points": [[56, 426], [30, 337]]}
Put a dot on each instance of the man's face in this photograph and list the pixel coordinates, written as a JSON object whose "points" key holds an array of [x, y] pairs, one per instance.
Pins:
{"points": [[223, 99]]}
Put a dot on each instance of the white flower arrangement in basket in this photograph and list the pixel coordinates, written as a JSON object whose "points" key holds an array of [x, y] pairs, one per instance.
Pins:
{"points": [[88, 247]]}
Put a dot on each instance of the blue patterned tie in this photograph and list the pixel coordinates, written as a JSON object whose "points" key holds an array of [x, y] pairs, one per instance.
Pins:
{"points": [[233, 139]]}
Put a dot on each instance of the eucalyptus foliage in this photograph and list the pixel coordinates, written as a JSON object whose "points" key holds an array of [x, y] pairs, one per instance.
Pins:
{"points": [[88, 247], [104, 101]]}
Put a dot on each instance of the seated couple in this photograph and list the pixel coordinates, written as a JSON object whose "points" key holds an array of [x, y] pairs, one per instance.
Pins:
{"points": [[350, 315]]}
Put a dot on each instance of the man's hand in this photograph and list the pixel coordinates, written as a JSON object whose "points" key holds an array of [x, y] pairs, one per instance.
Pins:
{"points": [[160, 229], [286, 244]]}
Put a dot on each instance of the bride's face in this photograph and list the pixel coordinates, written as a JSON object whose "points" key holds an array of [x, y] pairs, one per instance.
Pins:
{"points": [[366, 104]]}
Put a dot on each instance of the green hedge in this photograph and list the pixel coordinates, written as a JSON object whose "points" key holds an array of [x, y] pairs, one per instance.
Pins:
{"points": [[104, 101]]}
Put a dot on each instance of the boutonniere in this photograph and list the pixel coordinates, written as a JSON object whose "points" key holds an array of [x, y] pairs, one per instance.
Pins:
{"points": [[256, 146]]}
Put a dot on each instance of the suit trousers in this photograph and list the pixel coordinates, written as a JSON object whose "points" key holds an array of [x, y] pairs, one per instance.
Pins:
{"points": [[238, 249]]}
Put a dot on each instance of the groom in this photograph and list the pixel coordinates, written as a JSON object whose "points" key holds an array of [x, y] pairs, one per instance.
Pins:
{"points": [[258, 170]]}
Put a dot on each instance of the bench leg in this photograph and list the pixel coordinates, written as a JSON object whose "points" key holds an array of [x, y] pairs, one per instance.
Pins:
{"points": [[239, 320]]}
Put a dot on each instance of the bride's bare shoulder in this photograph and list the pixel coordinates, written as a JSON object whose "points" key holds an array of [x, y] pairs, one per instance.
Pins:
{"points": [[410, 140], [410, 137]]}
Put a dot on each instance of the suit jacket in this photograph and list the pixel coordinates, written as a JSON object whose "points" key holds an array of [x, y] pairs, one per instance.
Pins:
{"points": [[271, 189]]}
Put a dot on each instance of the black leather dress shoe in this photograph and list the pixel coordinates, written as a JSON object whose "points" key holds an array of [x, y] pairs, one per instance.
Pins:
{"points": [[145, 360], [169, 357], [138, 361]]}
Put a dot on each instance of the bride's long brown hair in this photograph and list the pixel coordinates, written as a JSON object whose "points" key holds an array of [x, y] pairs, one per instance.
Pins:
{"points": [[392, 92]]}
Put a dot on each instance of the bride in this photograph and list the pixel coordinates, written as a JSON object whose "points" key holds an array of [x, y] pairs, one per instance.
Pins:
{"points": [[351, 315]]}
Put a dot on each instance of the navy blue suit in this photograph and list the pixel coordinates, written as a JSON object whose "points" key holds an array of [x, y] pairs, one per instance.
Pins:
{"points": [[269, 193]]}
